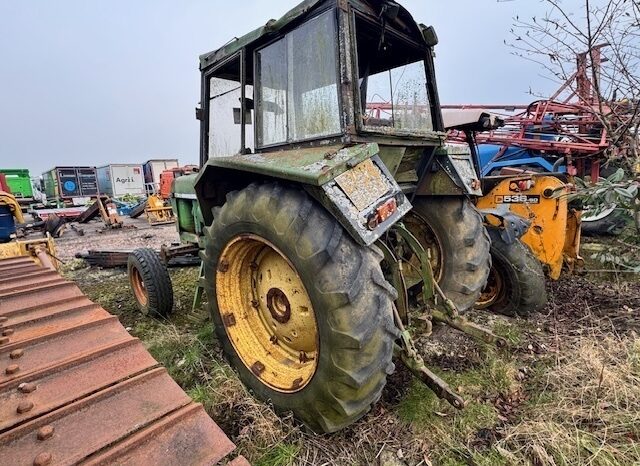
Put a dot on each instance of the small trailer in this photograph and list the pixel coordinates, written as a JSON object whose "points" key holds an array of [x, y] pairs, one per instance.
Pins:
{"points": [[117, 180], [71, 186], [152, 170]]}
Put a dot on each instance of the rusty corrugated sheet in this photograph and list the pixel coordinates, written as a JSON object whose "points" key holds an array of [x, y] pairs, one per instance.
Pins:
{"points": [[76, 388]]}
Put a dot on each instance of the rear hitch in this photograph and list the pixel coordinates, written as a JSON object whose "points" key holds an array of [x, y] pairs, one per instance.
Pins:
{"points": [[475, 331], [439, 309], [438, 386], [443, 309], [413, 361]]}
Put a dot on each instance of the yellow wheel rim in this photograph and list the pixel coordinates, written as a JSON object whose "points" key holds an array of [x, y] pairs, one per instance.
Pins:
{"points": [[267, 313]]}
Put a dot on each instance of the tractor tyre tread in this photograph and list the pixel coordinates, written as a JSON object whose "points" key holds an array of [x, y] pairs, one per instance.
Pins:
{"points": [[351, 299], [611, 225], [138, 210], [524, 276], [460, 227]]}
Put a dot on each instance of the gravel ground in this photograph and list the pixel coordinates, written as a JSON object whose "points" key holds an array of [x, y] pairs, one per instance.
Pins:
{"points": [[135, 233]]}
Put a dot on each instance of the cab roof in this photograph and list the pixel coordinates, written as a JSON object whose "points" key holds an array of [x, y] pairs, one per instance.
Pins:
{"points": [[297, 14]]}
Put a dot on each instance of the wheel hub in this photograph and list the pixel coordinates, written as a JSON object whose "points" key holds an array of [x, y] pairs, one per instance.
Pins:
{"points": [[267, 313], [279, 305]]}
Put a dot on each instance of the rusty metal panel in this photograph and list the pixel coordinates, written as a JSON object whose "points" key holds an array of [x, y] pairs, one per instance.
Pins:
{"points": [[177, 439], [52, 349], [27, 283], [75, 387], [61, 384], [20, 269], [95, 422], [42, 296], [239, 461], [7, 263]]}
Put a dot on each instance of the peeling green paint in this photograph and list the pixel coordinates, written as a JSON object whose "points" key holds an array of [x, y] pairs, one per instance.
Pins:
{"points": [[314, 166]]}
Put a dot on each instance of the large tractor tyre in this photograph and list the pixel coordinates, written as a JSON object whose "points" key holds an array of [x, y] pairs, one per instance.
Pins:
{"points": [[452, 229], [610, 222], [516, 284], [150, 282], [302, 311]]}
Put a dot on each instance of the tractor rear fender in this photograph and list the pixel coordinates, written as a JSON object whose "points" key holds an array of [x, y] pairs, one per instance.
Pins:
{"points": [[452, 172], [351, 182]]}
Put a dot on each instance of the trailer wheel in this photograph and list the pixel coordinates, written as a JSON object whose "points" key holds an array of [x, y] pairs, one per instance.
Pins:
{"points": [[303, 312], [452, 229], [150, 282], [516, 284]]}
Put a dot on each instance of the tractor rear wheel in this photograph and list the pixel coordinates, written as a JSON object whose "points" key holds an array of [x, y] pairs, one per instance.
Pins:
{"points": [[516, 284], [452, 230], [302, 311]]}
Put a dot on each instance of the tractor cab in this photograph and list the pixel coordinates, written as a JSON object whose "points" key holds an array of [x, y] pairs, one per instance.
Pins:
{"points": [[327, 72], [328, 75]]}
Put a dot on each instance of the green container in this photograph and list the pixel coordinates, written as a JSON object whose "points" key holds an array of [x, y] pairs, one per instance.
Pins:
{"points": [[19, 182]]}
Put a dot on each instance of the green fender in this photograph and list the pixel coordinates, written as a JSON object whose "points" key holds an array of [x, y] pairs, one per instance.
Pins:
{"points": [[315, 168]]}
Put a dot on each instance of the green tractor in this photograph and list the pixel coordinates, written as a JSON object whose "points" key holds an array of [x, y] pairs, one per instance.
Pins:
{"points": [[325, 229]]}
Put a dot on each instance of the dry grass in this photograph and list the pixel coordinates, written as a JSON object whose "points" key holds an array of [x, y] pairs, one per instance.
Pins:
{"points": [[589, 409], [579, 403]]}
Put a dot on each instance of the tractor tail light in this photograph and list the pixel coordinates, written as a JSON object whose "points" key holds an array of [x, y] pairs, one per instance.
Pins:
{"points": [[382, 213]]}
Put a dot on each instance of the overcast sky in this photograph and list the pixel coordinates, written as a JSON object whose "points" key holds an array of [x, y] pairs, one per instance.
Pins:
{"points": [[116, 81]]}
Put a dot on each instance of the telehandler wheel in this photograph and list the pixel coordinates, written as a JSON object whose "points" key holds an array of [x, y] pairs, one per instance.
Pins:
{"points": [[452, 229], [303, 312], [516, 284], [150, 282]]}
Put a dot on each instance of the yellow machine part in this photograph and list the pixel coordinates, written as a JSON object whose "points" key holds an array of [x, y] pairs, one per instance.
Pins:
{"points": [[158, 213], [41, 250], [554, 235], [10, 200]]}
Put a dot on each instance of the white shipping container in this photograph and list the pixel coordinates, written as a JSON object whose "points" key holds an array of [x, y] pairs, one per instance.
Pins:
{"points": [[119, 180], [154, 168]]}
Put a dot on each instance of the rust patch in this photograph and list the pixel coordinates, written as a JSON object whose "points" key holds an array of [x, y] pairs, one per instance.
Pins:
{"points": [[229, 320], [296, 384], [223, 266], [278, 305], [257, 368]]}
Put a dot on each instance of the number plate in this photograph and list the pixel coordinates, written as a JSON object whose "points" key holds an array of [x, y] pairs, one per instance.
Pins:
{"points": [[364, 184]]}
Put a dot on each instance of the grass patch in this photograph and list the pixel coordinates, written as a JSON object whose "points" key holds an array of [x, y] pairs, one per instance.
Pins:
{"points": [[508, 331], [456, 437], [282, 454]]}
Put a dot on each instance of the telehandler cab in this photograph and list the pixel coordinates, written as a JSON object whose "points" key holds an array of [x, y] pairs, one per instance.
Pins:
{"points": [[299, 208]]}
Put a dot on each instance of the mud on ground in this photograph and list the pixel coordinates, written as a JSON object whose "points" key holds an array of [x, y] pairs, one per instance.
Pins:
{"points": [[567, 391]]}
